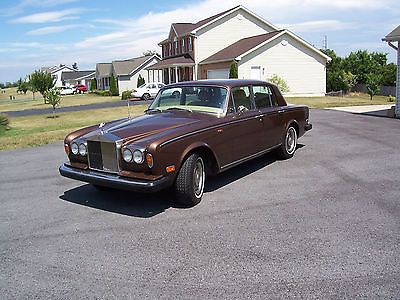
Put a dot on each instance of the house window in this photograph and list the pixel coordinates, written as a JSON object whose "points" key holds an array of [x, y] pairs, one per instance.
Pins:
{"points": [[164, 50], [170, 49], [183, 46], [176, 47], [190, 44]]}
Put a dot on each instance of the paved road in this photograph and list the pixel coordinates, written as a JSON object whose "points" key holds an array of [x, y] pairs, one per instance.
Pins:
{"points": [[325, 224], [44, 111]]}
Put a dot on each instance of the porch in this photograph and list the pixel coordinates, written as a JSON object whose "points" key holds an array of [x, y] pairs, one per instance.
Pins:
{"points": [[175, 69]]}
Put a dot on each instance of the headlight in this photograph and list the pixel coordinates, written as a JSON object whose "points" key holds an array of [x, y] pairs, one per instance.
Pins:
{"points": [[74, 148], [127, 155], [82, 149], [138, 156]]}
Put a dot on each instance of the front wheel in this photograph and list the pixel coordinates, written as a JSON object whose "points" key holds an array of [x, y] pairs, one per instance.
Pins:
{"points": [[189, 184], [288, 147]]}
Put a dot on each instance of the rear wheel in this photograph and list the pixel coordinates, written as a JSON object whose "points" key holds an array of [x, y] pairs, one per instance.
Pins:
{"points": [[189, 185], [146, 96], [289, 143]]}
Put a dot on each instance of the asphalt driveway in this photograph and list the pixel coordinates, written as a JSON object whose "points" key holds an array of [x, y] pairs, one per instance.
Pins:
{"points": [[324, 224]]}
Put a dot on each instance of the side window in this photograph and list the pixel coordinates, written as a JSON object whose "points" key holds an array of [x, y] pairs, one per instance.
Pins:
{"points": [[262, 96], [241, 97]]}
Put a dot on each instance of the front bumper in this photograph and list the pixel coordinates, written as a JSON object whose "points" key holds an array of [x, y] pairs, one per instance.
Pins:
{"points": [[115, 181]]}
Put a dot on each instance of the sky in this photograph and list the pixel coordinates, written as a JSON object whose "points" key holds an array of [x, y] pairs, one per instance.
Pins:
{"points": [[37, 33]]}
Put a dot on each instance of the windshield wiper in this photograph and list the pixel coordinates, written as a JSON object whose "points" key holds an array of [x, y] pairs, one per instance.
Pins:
{"points": [[179, 108], [152, 109]]}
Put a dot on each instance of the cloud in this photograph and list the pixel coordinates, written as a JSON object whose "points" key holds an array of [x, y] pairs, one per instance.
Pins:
{"points": [[51, 29], [317, 26], [20, 7], [51, 16]]}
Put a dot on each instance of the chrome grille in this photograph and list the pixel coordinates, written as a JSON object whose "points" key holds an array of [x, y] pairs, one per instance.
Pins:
{"points": [[102, 156]]}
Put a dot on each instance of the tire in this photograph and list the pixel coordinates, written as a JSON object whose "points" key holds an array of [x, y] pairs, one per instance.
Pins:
{"points": [[189, 184], [146, 97], [289, 144]]}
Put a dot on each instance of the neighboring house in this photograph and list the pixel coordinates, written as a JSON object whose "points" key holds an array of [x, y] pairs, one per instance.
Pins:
{"points": [[57, 73], [78, 77], [206, 49], [126, 72]]}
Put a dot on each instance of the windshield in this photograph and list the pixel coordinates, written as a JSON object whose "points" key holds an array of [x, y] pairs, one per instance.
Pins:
{"points": [[194, 98]]}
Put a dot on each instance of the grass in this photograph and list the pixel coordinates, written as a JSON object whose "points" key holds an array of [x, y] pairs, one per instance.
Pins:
{"points": [[354, 99], [43, 129], [24, 102]]}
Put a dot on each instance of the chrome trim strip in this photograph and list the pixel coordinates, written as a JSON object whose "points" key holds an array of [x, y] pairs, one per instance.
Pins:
{"points": [[249, 157]]}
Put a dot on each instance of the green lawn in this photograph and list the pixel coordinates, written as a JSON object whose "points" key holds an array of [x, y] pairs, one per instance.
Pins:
{"points": [[43, 129], [352, 100], [24, 102]]}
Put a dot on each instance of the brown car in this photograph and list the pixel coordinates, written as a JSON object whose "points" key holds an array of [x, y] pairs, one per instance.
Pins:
{"points": [[192, 129]]}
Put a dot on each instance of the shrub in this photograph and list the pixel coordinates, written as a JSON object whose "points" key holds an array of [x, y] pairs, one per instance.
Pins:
{"points": [[4, 122], [140, 80], [391, 99], [280, 82], [102, 93], [113, 86], [126, 95], [233, 72], [93, 84]]}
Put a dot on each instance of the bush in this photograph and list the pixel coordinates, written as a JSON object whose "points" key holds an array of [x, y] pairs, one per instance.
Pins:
{"points": [[93, 84], [233, 72], [140, 81], [113, 86], [4, 122], [280, 82], [126, 95], [53, 98], [102, 93], [391, 99]]}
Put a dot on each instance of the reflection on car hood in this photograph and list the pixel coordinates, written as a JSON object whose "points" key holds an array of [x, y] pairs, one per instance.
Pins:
{"points": [[145, 125]]}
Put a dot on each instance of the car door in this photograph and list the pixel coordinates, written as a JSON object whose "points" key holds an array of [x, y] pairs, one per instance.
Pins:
{"points": [[267, 105], [246, 123], [152, 89]]}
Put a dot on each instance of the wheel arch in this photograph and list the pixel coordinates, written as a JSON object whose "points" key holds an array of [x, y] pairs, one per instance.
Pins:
{"points": [[204, 150]]}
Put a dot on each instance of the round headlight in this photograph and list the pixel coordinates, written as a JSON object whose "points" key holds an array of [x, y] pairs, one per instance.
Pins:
{"points": [[82, 149], [138, 156], [74, 148], [127, 155]]}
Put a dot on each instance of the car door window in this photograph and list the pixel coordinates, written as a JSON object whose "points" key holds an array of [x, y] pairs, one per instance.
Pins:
{"points": [[262, 96], [241, 97]]}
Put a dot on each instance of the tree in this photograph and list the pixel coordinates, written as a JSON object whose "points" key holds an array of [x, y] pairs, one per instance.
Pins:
{"points": [[373, 84], [280, 82], [41, 82], [75, 66], [151, 53], [389, 74], [23, 86], [233, 72], [93, 84], [140, 81], [113, 86], [53, 98]]}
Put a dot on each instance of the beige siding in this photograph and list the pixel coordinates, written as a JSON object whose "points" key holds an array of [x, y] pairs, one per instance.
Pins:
{"points": [[227, 31], [302, 68]]}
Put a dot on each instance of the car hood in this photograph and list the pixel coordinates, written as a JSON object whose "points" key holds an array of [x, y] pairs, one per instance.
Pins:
{"points": [[132, 129]]}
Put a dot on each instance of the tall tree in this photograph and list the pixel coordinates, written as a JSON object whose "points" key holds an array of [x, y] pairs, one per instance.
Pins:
{"points": [[233, 72], [113, 86]]}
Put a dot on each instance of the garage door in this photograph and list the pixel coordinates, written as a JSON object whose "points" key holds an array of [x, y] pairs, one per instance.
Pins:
{"points": [[218, 74]]}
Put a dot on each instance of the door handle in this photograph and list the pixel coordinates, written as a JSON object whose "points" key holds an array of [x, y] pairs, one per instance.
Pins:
{"points": [[281, 111]]}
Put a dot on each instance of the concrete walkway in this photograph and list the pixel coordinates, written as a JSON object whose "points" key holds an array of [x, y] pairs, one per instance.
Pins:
{"points": [[373, 110]]}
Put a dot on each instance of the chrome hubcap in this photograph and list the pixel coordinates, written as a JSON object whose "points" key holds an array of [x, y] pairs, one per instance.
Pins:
{"points": [[198, 177], [291, 140]]}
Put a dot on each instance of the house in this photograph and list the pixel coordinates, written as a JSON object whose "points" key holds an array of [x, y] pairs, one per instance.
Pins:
{"points": [[126, 72], [57, 73], [206, 49], [78, 77]]}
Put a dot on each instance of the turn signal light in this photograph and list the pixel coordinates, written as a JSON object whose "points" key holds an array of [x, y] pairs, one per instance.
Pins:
{"points": [[149, 160], [66, 148], [170, 169]]}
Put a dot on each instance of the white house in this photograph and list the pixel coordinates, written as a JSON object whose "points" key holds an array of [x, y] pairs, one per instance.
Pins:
{"points": [[126, 72], [57, 73], [206, 50], [78, 77]]}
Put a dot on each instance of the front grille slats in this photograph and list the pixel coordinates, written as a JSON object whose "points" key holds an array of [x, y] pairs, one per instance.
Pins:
{"points": [[102, 156]]}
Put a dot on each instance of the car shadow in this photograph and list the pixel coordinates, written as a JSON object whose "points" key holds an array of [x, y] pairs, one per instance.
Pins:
{"points": [[146, 205]]}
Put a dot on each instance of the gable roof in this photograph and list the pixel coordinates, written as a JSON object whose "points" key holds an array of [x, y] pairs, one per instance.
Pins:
{"points": [[245, 46], [76, 75], [54, 69], [128, 66], [182, 29], [104, 69], [242, 46], [393, 36], [178, 60]]}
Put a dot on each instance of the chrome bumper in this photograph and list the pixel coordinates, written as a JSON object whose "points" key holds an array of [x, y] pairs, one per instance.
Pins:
{"points": [[115, 181]]}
